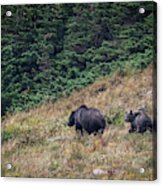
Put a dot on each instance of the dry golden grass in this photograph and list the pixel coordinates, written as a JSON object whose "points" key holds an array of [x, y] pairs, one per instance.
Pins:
{"points": [[39, 143]]}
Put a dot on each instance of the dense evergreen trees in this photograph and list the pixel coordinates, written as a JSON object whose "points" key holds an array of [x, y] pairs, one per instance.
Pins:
{"points": [[50, 50]]}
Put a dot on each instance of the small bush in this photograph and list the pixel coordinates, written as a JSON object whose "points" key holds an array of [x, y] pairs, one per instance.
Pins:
{"points": [[115, 118]]}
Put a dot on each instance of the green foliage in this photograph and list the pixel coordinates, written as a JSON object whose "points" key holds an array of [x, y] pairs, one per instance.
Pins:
{"points": [[6, 136], [9, 134], [115, 117], [50, 50]]}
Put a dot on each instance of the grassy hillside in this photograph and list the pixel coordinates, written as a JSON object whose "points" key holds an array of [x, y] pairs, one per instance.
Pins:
{"points": [[39, 144]]}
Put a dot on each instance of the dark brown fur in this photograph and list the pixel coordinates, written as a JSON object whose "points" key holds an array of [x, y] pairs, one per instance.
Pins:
{"points": [[89, 119], [140, 121]]}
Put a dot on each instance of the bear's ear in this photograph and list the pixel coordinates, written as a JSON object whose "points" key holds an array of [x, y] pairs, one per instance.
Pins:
{"points": [[72, 113], [136, 113]]}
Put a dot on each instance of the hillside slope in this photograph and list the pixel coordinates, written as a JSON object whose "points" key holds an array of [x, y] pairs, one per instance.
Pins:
{"points": [[39, 144]]}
